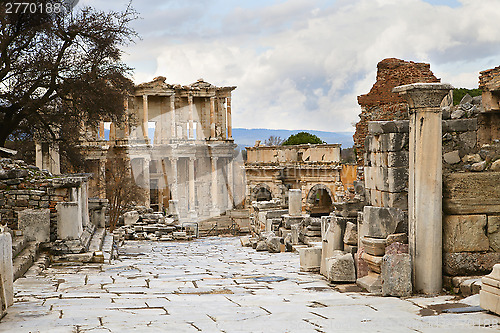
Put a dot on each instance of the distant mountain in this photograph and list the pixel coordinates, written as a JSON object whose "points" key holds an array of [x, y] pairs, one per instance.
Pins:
{"points": [[246, 137]]}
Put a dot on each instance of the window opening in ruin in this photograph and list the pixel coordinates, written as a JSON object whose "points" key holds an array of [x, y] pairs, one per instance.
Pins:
{"points": [[320, 201], [263, 194], [107, 128], [151, 131]]}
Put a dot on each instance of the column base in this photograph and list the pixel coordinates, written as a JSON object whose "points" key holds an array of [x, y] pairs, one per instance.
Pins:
{"points": [[192, 215]]}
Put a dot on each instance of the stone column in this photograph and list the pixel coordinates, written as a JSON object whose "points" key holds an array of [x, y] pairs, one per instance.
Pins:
{"points": [[101, 178], [101, 130], [294, 202], [213, 188], [173, 166], [173, 128], [192, 195], [146, 181], [212, 117], [191, 127], [112, 132], [425, 183], [145, 117], [222, 110], [230, 182], [229, 119]]}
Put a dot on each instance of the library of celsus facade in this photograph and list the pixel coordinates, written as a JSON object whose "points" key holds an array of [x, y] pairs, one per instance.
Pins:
{"points": [[180, 147]]}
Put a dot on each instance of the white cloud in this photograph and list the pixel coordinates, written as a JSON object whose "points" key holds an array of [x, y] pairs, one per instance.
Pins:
{"points": [[300, 64]]}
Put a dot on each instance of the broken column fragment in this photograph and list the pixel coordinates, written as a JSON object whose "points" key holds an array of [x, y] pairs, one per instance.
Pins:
{"points": [[340, 267]]}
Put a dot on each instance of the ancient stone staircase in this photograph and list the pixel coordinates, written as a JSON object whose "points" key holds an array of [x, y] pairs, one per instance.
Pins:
{"points": [[24, 254]]}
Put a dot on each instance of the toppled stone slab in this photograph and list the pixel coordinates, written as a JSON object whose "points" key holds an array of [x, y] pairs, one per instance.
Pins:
{"points": [[340, 267], [374, 262], [273, 244], [396, 275]]}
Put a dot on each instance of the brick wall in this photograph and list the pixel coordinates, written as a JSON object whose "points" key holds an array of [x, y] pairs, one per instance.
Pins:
{"points": [[381, 103]]}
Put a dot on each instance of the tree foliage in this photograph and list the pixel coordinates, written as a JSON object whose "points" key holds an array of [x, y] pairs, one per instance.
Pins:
{"points": [[122, 191], [459, 93], [273, 141], [61, 70], [302, 138]]}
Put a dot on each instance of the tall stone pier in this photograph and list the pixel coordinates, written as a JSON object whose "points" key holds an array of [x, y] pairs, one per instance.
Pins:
{"points": [[425, 183]]}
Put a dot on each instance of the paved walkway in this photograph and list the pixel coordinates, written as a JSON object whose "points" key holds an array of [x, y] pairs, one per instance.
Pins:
{"points": [[213, 285]]}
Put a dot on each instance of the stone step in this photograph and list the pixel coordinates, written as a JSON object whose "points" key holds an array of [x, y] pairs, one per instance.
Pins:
{"points": [[108, 248], [18, 244], [39, 265], [97, 240], [25, 259]]}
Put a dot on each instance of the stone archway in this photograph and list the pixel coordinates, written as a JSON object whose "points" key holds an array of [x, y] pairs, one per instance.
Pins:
{"points": [[319, 200], [261, 192]]}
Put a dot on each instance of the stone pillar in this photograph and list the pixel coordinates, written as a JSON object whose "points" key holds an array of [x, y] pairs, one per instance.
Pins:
{"points": [[212, 117], [69, 220], [214, 187], [6, 268], [191, 127], [112, 132], [230, 182], [173, 128], [192, 188], [294, 202], [229, 119], [146, 181], [101, 130], [145, 117], [425, 183], [222, 110], [173, 186]]}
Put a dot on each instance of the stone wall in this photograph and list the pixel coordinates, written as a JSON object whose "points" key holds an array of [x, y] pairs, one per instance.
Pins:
{"points": [[381, 103], [24, 187]]}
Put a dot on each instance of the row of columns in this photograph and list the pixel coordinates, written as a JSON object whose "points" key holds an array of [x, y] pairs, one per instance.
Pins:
{"points": [[191, 177], [227, 119]]}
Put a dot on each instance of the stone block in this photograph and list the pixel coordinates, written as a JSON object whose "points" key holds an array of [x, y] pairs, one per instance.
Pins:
{"points": [[6, 268], [352, 249], [371, 283], [362, 268], [389, 199], [69, 220], [290, 220], [261, 246], [469, 263], [35, 224], [374, 246], [294, 202], [327, 246], [465, 233], [396, 275], [471, 193], [273, 244], [397, 248], [130, 218], [493, 228], [337, 226], [310, 259], [295, 234], [340, 267], [459, 125], [351, 234], [388, 142], [400, 238], [489, 301], [374, 262], [452, 157], [387, 179], [245, 241], [393, 126], [383, 221]]}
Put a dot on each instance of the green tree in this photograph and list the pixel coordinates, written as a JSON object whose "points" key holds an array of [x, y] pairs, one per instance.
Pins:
{"points": [[60, 70], [459, 93], [302, 138]]}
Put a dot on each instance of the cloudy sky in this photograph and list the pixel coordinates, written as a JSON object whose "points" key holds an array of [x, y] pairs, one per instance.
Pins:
{"points": [[299, 64]]}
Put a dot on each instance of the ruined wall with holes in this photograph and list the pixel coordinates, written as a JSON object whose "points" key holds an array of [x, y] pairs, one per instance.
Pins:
{"points": [[381, 103]]}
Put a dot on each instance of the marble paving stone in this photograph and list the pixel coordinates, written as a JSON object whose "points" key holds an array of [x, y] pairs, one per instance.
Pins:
{"points": [[140, 293]]}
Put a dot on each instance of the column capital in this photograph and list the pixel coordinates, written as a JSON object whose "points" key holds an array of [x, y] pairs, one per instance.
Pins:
{"points": [[423, 95]]}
